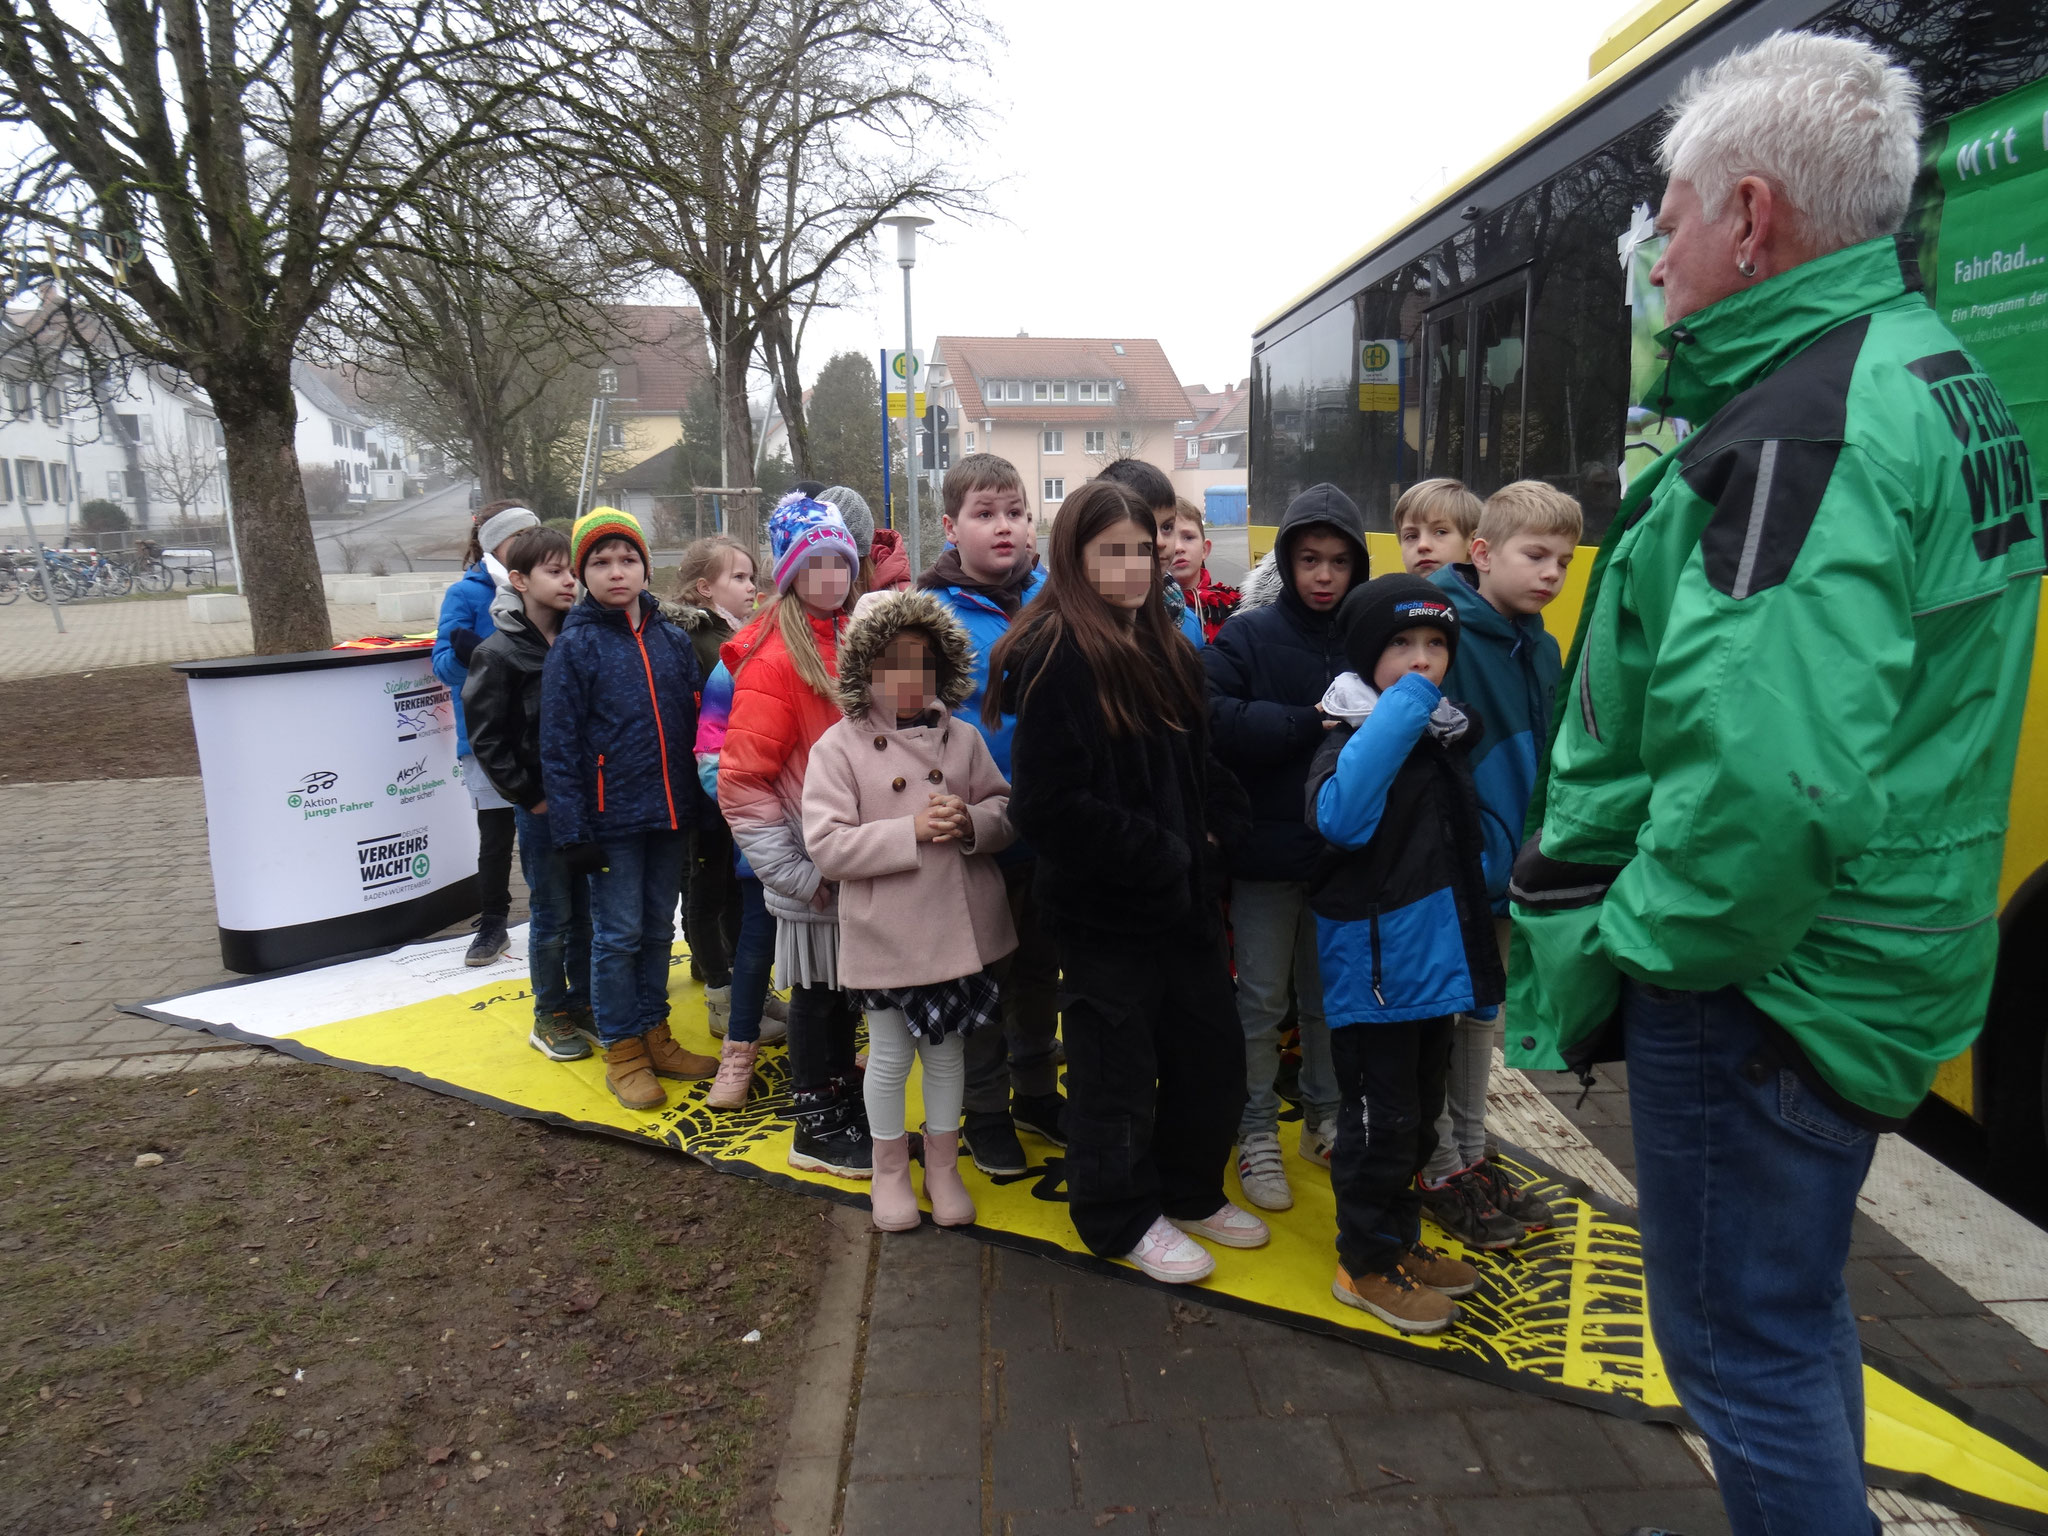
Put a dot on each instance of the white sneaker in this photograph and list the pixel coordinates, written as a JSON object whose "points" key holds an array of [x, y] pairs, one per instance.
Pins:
{"points": [[1230, 1225], [1262, 1172], [718, 1009], [1317, 1142], [1164, 1254]]}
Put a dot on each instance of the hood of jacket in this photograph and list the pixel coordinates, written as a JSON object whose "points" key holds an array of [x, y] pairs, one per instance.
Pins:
{"points": [[691, 619], [519, 630], [1350, 698], [1476, 615], [1318, 504], [1714, 354], [589, 610], [881, 619]]}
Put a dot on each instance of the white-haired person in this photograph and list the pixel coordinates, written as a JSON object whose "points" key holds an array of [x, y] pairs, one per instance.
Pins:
{"points": [[1767, 865]]}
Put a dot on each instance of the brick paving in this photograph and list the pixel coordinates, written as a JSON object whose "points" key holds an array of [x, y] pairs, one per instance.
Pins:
{"points": [[134, 633]]}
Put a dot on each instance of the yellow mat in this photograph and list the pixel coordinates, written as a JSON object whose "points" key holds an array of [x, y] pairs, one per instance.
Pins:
{"points": [[1561, 1315]]}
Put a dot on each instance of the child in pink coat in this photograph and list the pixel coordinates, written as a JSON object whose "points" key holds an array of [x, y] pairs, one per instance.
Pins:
{"points": [[904, 808]]}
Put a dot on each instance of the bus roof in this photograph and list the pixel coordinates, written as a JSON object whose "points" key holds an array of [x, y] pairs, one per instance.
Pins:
{"points": [[1626, 47]]}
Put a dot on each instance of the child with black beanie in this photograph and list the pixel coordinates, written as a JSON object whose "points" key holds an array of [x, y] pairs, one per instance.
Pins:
{"points": [[1404, 935]]}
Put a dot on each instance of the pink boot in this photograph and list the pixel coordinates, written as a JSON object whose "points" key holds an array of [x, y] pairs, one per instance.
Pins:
{"points": [[735, 1075], [890, 1196], [952, 1206]]}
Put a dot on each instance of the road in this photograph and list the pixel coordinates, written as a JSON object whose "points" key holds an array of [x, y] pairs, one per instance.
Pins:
{"points": [[424, 534]]}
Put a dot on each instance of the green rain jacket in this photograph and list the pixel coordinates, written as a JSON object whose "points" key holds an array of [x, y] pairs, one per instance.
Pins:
{"points": [[1787, 727]]}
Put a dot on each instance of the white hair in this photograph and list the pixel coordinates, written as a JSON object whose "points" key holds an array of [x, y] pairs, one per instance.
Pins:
{"points": [[1831, 123]]}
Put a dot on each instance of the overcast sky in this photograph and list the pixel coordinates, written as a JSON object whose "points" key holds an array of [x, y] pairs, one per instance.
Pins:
{"points": [[1182, 170]]}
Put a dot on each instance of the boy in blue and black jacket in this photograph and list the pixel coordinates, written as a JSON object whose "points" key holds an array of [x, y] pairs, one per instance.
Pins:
{"points": [[1404, 936]]}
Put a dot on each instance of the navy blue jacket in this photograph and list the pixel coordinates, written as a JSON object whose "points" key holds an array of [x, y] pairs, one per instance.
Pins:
{"points": [[465, 605], [1267, 668], [618, 725], [1403, 930]]}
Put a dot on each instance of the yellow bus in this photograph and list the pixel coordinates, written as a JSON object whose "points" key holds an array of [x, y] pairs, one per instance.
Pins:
{"points": [[1500, 331]]}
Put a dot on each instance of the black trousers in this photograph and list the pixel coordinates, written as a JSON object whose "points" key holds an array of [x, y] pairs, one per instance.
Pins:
{"points": [[711, 917], [1019, 1055], [1391, 1077], [496, 831], [822, 1021], [1155, 1084]]}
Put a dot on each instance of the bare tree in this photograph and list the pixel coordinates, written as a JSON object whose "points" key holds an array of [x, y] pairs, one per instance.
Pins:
{"points": [[181, 473], [766, 141], [239, 162]]}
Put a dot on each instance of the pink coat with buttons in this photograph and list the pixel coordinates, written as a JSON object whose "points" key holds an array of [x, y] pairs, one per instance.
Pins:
{"points": [[910, 913]]}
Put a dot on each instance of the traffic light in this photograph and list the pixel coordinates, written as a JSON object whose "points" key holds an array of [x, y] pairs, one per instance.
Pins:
{"points": [[936, 420]]}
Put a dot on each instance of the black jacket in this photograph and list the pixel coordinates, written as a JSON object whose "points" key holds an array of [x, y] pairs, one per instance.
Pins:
{"points": [[1121, 824], [1266, 670], [501, 702]]}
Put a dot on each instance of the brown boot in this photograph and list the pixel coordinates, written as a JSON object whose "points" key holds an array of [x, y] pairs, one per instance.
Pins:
{"points": [[891, 1198], [670, 1060], [1441, 1272], [952, 1206], [1396, 1298], [627, 1073]]}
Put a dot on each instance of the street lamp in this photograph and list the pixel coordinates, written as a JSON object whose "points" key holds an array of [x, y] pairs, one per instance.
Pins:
{"points": [[906, 226]]}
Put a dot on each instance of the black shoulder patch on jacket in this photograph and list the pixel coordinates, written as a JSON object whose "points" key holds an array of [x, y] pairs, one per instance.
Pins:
{"points": [[1765, 461]]}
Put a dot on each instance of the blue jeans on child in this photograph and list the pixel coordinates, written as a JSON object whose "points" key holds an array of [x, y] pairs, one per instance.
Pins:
{"points": [[558, 930], [1276, 945], [633, 925], [1747, 1181], [753, 957]]}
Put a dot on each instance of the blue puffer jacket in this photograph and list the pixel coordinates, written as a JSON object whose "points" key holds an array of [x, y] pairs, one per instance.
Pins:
{"points": [[1507, 669], [614, 763], [985, 624], [1402, 930], [467, 605]]}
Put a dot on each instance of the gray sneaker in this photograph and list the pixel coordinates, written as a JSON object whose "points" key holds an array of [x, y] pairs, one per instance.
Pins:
{"points": [[1462, 1208], [1263, 1172], [555, 1038]]}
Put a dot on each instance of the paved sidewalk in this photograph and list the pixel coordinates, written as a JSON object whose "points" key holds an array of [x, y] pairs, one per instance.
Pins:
{"points": [[137, 632], [108, 899]]}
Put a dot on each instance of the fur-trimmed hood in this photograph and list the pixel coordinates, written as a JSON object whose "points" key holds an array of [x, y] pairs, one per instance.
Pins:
{"points": [[880, 619], [687, 616], [1262, 586]]}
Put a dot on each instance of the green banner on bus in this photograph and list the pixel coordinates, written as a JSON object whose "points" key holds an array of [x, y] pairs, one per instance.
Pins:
{"points": [[1986, 267]]}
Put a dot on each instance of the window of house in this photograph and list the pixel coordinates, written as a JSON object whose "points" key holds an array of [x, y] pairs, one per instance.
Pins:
{"points": [[1014, 390], [6, 482], [1097, 442], [60, 482], [1123, 442], [993, 389], [1055, 490], [1117, 347], [340, 433], [607, 381], [355, 438], [1086, 389], [615, 434], [116, 484], [53, 404], [20, 399], [967, 442], [1041, 390], [28, 474], [1054, 442], [1059, 390]]}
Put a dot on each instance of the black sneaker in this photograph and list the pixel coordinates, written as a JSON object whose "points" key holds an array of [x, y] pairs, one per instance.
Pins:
{"points": [[828, 1139], [1044, 1115], [490, 942], [1463, 1209], [992, 1142], [1523, 1205]]}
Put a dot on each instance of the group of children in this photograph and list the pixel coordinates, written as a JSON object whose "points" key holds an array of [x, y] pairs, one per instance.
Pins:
{"points": [[1028, 809]]}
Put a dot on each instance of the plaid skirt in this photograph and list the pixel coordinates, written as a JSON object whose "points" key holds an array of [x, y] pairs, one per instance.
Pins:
{"points": [[942, 1008]]}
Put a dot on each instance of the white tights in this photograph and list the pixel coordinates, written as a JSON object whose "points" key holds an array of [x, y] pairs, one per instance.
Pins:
{"points": [[891, 1046]]}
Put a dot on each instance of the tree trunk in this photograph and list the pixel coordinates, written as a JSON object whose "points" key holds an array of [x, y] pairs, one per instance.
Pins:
{"points": [[789, 392], [280, 568]]}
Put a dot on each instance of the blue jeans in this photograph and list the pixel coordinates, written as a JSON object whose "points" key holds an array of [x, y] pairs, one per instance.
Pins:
{"points": [[558, 930], [1276, 942], [633, 925], [1747, 1181], [753, 957]]}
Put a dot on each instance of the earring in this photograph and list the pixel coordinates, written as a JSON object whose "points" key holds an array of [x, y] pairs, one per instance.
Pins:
{"points": [[1746, 268]]}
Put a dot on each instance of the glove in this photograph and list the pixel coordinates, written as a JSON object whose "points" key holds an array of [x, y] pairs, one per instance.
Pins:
{"points": [[464, 643], [584, 858]]}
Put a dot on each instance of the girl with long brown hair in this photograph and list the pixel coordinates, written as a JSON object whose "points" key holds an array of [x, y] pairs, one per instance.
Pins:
{"points": [[1115, 789]]}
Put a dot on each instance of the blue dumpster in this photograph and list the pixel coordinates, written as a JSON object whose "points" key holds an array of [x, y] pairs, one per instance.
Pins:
{"points": [[1224, 506]]}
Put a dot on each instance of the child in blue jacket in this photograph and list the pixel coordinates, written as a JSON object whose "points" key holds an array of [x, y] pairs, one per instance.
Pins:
{"points": [[617, 726], [1404, 937], [466, 623]]}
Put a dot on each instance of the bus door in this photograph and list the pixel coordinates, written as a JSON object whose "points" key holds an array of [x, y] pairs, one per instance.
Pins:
{"points": [[1474, 384]]}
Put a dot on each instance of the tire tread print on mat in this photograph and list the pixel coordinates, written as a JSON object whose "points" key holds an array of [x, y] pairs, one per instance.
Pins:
{"points": [[1561, 1315]]}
